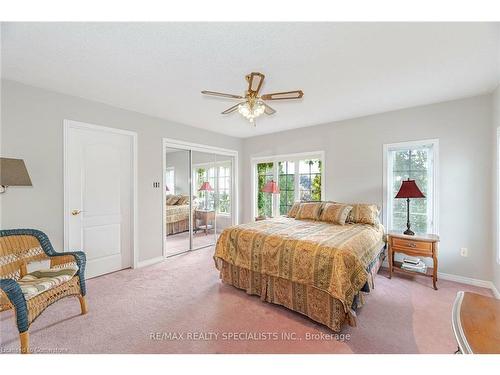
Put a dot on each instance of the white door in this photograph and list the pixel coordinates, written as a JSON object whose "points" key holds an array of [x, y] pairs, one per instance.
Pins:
{"points": [[99, 192]]}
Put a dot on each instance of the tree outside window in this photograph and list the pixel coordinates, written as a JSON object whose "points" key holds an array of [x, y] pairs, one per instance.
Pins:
{"points": [[310, 180], [412, 164], [298, 180], [220, 180], [286, 183], [224, 187], [265, 173]]}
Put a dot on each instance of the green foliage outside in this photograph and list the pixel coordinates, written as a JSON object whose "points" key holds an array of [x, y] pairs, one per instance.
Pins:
{"points": [[224, 198], [411, 164], [264, 200], [224, 203], [309, 184]]}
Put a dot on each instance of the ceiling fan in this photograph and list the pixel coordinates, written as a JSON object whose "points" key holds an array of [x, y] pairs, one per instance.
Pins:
{"points": [[253, 105]]}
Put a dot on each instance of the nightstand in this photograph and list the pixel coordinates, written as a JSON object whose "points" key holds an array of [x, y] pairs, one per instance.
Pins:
{"points": [[205, 216], [419, 245]]}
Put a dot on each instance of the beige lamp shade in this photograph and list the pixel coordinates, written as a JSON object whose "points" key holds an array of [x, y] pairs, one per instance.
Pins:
{"points": [[13, 172]]}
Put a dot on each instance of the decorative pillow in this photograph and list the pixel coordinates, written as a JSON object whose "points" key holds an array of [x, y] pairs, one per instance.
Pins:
{"points": [[335, 213], [293, 211], [364, 214], [309, 211], [172, 200], [184, 199]]}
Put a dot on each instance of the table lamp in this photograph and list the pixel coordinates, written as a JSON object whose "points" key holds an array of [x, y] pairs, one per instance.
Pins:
{"points": [[206, 188], [409, 189]]}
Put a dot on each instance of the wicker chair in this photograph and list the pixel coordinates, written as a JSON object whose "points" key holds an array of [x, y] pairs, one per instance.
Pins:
{"points": [[18, 247]]}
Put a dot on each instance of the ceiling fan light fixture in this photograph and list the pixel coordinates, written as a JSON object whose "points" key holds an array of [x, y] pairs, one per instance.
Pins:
{"points": [[254, 104], [251, 112]]}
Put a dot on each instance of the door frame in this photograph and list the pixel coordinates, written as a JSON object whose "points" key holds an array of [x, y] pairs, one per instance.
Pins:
{"points": [[189, 146], [72, 124]]}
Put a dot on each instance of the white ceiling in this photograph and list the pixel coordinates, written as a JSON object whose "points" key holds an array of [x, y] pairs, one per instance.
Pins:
{"points": [[346, 70]]}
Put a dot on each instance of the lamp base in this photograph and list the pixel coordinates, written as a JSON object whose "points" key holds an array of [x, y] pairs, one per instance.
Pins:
{"points": [[409, 232]]}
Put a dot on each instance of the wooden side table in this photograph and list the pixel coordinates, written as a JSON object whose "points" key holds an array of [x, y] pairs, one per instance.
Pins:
{"points": [[476, 323], [205, 216], [423, 245]]}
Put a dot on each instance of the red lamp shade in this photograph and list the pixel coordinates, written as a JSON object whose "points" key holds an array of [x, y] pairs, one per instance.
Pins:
{"points": [[271, 187], [205, 187], [409, 189]]}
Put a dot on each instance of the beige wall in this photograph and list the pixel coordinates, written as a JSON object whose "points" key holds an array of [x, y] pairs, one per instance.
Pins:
{"points": [[32, 129], [353, 168]]}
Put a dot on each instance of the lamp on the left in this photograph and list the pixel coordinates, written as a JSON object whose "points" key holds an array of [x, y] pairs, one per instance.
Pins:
{"points": [[13, 172]]}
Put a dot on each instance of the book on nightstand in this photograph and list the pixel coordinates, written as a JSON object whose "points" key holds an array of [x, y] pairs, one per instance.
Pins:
{"points": [[419, 267], [411, 260]]}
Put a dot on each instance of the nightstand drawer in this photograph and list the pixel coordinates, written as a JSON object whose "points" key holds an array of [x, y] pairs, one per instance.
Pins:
{"points": [[412, 245]]}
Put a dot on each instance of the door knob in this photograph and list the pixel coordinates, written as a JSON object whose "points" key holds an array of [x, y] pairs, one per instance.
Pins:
{"points": [[76, 212]]}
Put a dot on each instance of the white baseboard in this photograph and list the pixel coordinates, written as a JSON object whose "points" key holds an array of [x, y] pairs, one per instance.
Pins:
{"points": [[149, 262], [495, 291], [464, 280]]}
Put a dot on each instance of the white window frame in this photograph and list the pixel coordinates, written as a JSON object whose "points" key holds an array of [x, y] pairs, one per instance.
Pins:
{"points": [[227, 167], [285, 157], [215, 165], [172, 187], [433, 177]]}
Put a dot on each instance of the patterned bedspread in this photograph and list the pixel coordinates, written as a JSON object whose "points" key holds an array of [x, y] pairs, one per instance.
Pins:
{"points": [[177, 213], [332, 258]]}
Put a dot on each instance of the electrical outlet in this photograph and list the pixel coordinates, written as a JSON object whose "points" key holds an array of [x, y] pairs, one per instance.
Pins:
{"points": [[464, 252]]}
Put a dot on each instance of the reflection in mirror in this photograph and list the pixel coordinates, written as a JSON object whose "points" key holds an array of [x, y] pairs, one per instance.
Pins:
{"points": [[205, 189], [177, 202], [224, 192]]}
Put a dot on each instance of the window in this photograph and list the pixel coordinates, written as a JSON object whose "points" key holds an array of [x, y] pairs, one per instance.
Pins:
{"points": [[220, 173], [224, 189], [310, 180], [170, 180], [265, 173], [416, 161], [286, 182], [299, 178]]}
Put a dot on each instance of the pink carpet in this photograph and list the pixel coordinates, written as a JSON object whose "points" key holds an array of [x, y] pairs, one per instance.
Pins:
{"points": [[183, 296]]}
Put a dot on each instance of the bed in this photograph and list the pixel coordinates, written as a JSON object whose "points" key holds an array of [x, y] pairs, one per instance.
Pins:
{"points": [[316, 268], [177, 217]]}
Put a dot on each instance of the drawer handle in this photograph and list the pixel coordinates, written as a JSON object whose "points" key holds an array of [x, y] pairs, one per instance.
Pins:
{"points": [[412, 244]]}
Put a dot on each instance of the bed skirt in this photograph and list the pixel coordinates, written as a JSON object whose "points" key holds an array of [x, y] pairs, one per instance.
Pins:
{"points": [[177, 227], [307, 300]]}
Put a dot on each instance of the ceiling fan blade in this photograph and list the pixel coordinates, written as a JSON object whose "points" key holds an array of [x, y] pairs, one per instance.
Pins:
{"points": [[255, 81], [297, 94], [231, 109], [221, 94], [268, 110]]}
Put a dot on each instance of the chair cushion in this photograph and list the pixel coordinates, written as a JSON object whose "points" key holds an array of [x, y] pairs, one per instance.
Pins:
{"points": [[34, 283]]}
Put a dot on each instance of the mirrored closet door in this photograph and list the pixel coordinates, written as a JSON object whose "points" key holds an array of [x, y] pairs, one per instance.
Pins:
{"points": [[199, 197], [178, 205], [205, 190]]}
